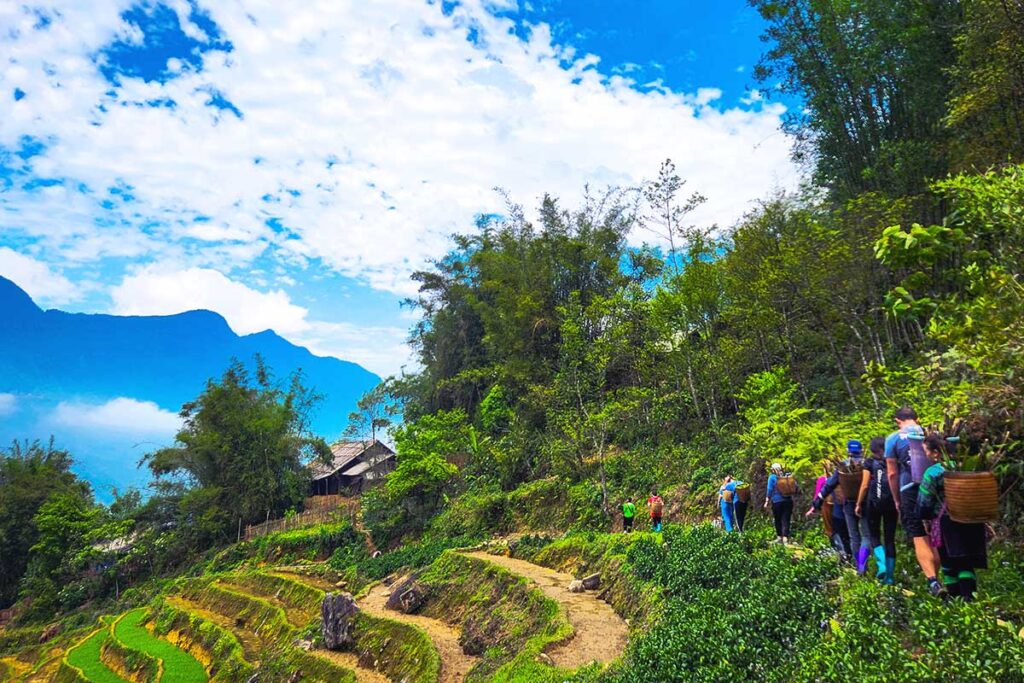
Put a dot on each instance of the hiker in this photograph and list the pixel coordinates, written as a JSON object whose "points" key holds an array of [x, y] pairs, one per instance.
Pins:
{"points": [[904, 453], [781, 500], [739, 505], [832, 518], [628, 513], [856, 527], [656, 505], [961, 547], [726, 502], [876, 503]]}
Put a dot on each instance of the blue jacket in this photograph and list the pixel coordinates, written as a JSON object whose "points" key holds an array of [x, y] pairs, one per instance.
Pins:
{"points": [[774, 495]]}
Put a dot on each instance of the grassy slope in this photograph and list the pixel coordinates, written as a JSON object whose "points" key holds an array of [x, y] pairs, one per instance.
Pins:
{"points": [[86, 658], [178, 666]]}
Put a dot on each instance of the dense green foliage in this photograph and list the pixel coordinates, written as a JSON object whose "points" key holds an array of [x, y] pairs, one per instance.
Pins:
{"points": [[29, 476], [242, 453]]}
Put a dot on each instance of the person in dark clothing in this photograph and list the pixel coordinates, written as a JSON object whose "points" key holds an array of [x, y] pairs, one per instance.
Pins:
{"points": [[782, 504], [962, 547], [740, 505], [856, 527], [877, 505]]}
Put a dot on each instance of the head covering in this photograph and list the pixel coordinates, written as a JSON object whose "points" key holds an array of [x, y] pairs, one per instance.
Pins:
{"points": [[854, 447], [777, 466]]}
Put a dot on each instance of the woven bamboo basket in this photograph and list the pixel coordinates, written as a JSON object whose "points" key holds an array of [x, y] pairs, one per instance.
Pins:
{"points": [[743, 493], [849, 482], [786, 486], [972, 497]]}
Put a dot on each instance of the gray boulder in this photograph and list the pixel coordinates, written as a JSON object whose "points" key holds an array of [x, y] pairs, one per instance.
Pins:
{"points": [[338, 613], [592, 582]]}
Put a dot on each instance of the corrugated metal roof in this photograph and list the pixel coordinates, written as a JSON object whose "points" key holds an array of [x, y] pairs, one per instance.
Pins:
{"points": [[343, 452], [356, 470]]}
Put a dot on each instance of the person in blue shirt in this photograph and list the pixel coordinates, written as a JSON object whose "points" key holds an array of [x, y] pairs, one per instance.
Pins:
{"points": [[902, 449], [727, 503], [782, 505], [900, 452], [860, 541]]}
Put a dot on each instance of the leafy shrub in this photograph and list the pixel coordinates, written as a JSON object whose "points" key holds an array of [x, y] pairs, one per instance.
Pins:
{"points": [[737, 607]]}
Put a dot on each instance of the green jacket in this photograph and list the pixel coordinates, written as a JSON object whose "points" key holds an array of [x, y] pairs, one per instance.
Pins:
{"points": [[629, 510]]}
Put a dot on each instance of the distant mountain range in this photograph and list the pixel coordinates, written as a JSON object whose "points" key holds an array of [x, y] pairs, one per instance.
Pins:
{"points": [[50, 360]]}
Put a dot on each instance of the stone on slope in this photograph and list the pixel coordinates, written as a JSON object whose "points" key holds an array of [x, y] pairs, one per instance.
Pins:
{"points": [[338, 612], [592, 582]]}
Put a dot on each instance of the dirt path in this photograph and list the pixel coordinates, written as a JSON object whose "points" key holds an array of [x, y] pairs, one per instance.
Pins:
{"points": [[455, 664], [350, 661], [600, 634]]}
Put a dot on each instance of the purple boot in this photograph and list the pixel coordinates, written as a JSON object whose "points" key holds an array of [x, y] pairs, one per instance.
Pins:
{"points": [[862, 559]]}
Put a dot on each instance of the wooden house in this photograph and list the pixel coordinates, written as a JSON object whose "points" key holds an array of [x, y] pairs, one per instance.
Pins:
{"points": [[355, 466]]}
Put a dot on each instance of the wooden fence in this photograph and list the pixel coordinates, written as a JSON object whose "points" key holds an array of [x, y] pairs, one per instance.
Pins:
{"points": [[316, 512]]}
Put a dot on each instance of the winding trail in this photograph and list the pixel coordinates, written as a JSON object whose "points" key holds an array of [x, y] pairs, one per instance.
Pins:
{"points": [[599, 633], [455, 664]]}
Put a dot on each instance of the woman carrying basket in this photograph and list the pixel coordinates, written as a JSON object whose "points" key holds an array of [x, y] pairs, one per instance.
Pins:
{"points": [[961, 546], [781, 488]]}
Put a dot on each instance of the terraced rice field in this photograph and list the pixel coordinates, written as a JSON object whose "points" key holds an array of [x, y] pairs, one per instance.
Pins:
{"points": [[86, 658], [177, 666]]}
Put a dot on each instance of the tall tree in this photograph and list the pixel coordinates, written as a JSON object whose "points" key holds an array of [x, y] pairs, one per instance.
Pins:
{"points": [[243, 450], [874, 79], [30, 474]]}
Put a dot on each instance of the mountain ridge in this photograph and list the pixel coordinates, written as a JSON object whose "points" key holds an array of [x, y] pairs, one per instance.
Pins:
{"points": [[49, 357]]}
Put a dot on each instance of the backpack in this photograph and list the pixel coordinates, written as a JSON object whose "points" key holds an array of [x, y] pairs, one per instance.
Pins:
{"points": [[879, 491], [785, 485], [657, 506]]}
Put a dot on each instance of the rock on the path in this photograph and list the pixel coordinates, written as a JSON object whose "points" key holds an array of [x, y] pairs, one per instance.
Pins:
{"points": [[592, 582], [407, 596], [576, 586], [338, 612]]}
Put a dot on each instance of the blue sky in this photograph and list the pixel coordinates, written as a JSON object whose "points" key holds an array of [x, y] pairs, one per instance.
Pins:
{"points": [[290, 167]]}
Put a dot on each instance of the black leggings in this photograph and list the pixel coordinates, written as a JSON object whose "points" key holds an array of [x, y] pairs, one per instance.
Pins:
{"points": [[782, 512], [879, 516], [741, 513]]}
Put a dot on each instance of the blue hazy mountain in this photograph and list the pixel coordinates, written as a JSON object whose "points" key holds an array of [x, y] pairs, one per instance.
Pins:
{"points": [[52, 357]]}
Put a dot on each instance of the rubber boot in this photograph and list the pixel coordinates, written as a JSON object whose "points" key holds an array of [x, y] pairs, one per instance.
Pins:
{"points": [[890, 571], [862, 560], [879, 552], [968, 585]]}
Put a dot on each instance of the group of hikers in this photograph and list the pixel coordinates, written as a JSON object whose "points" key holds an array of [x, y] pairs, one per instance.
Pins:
{"points": [[901, 480], [655, 506]]}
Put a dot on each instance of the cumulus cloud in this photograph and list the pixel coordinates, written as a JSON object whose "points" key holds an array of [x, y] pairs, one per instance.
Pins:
{"points": [[8, 404], [117, 416], [379, 348], [360, 134], [42, 283], [155, 291]]}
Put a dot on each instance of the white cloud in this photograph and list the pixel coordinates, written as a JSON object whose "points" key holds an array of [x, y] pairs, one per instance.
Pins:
{"points": [[379, 127], [119, 416], [42, 283], [380, 349], [8, 404], [154, 291]]}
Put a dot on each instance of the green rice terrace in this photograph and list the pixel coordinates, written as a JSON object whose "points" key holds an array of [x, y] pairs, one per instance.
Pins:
{"points": [[504, 610]]}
